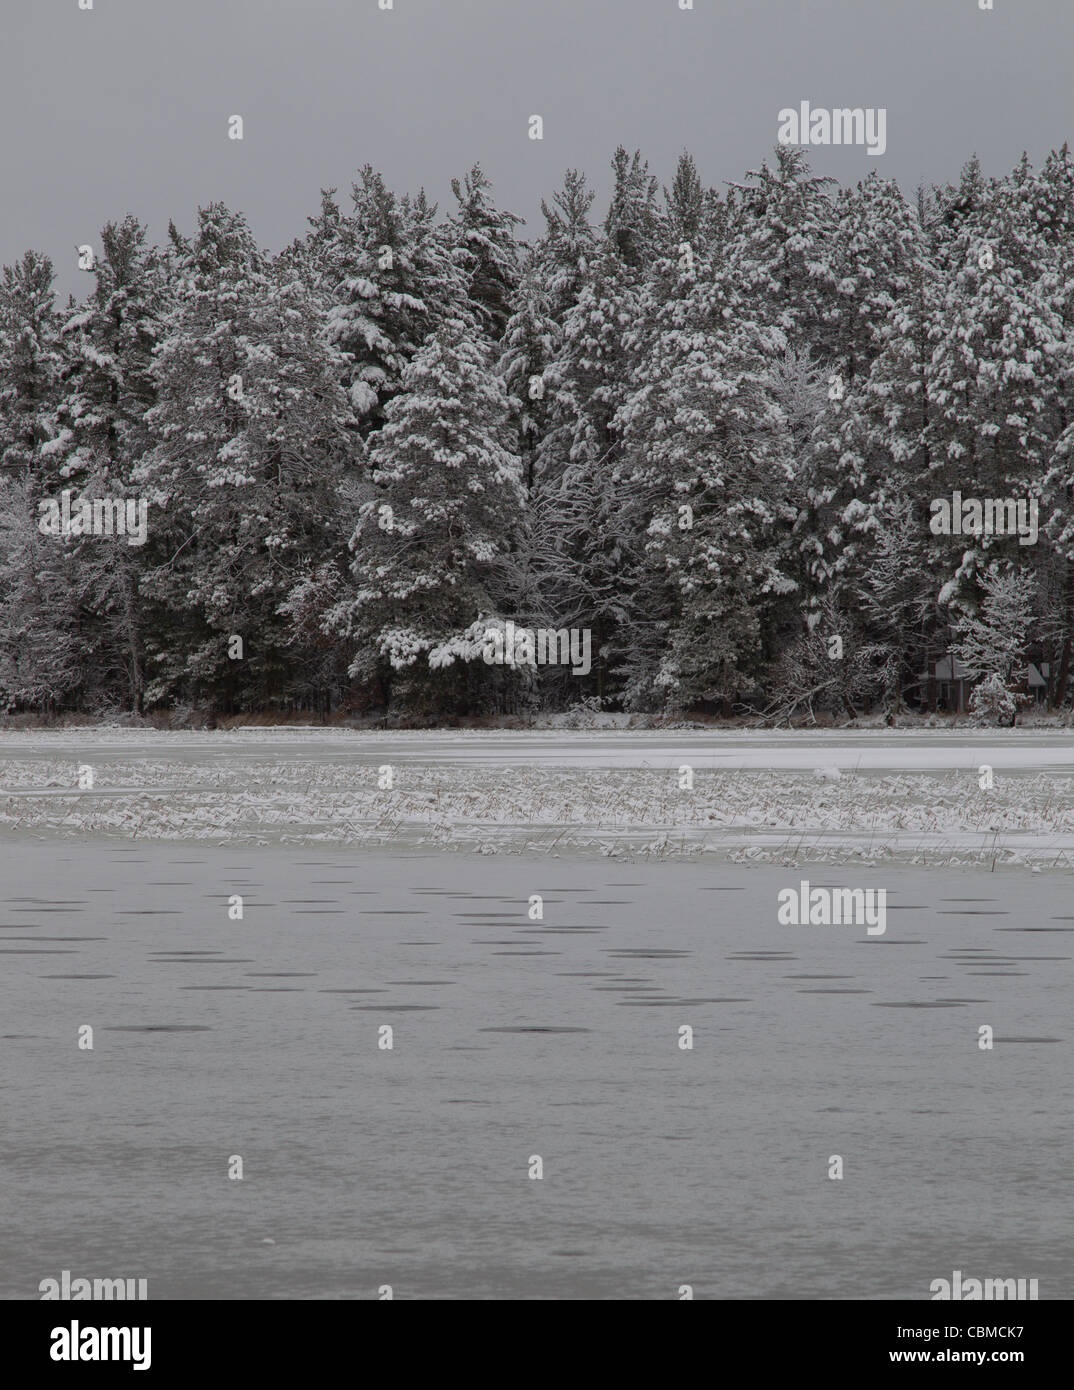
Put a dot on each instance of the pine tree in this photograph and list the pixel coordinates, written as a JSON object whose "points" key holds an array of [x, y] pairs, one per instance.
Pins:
{"points": [[42, 661], [711, 455], [633, 225], [251, 435], [783, 248], [993, 639], [32, 364], [392, 276], [429, 551], [486, 235], [878, 244], [897, 596], [585, 530], [109, 388], [552, 277]]}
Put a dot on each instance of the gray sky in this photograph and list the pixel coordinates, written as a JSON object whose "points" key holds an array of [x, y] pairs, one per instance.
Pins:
{"points": [[125, 108]]}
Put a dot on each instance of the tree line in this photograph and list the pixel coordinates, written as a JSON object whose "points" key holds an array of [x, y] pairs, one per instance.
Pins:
{"points": [[709, 429]]}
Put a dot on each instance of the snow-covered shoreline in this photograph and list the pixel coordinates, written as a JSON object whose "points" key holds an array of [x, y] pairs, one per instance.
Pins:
{"points": [[779, 798]]}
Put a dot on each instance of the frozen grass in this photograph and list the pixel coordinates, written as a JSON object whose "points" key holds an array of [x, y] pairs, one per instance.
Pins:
{"points": [[773, 815]]}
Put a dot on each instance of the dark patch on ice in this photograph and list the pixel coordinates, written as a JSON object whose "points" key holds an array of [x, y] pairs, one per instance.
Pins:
{"points": [[157, 1028], [534, 1028], [675, 1003], [78, 977], [1036, 928], [527, 953], [833, 991], [577, 931], [645, 953], [395, 1008], [198, 960], [932, 1004]]}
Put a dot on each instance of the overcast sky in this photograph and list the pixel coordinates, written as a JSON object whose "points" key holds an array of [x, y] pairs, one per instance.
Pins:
{"points": [[125, 108]]}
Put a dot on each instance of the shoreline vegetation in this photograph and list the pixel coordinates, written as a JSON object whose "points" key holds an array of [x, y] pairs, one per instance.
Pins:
{"points": [[927, 803], [580, 718]]}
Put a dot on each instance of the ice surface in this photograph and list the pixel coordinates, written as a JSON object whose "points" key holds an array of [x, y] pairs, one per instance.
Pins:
{"points": [[516, 1037]]}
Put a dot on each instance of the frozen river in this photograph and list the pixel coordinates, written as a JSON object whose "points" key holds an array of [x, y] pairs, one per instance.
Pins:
{"points": [[514, 1038]]}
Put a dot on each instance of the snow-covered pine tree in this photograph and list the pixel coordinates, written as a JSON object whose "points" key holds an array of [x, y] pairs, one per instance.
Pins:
{"points": [[251, 435], [1054, 216], [486, 235], [392, 275], [710, 456], [897, 597], [430, 551], [783, 247], [633, 225], [995, 377], [552, 275], [111, 340], [32, 365], [994, 637], [41, 652], [42, 657], [868, 446], [878, 241], [581, 536], [583, 548]]}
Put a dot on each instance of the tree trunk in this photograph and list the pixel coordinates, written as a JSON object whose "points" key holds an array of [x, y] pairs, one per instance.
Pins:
{"points": [[137, 673], [1059, 692]]}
